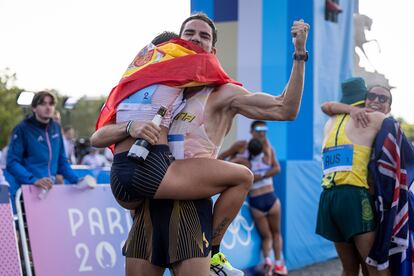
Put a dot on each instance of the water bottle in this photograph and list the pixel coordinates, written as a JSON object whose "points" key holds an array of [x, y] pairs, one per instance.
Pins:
{"points": [[44, 192], [141, 148]]}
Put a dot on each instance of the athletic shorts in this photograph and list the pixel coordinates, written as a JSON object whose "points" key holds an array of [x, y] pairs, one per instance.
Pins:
{"points": [[344, 212], [263, 202], [132, 180], [165, 232]]}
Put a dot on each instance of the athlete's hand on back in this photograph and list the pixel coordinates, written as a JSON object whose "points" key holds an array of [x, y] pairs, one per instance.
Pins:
{"points": [[360, 116]]}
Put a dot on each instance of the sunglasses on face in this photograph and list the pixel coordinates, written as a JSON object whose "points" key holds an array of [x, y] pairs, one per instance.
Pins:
{"points": [[381, 98], [261, 129]]}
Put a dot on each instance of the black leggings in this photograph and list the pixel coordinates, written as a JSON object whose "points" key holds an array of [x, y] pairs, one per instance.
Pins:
{"points": [[132, 180]]}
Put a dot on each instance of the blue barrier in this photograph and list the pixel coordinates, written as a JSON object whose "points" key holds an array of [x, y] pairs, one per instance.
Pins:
{"points": [[101, 174], [300, 198]]}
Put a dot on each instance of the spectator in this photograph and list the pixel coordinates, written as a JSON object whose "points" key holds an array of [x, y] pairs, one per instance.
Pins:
{"points": [[56, 117], [36, 152], [69, 143], [3, 157], [3, 181], [94, 159], [109, 155]]}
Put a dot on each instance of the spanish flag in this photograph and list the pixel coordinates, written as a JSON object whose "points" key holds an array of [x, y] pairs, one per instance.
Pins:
{"points": [[177, 63]]}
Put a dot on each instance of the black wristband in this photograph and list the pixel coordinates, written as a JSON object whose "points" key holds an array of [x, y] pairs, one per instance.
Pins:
{"points": [[301, 57]]}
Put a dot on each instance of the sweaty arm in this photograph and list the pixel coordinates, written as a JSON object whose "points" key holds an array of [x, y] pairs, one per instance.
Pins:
{"points": [[237, 147], [334, 108], [114, 133], [262, 106], [109, 134], [357, 113]]}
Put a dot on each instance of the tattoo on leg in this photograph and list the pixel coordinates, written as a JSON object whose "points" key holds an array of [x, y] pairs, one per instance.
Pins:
{"points": [[217, 232]]}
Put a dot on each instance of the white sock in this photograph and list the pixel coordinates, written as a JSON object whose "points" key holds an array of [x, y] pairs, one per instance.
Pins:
{"points": [[279, 262]]}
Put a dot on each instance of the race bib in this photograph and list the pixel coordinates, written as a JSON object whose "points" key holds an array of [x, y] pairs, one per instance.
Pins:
{"points": [[337, 159], [176, 143], [139, 101]]}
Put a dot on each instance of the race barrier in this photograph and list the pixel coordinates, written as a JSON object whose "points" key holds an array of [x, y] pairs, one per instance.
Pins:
{"points": [[9, 253], [81, 232], [74, 232]]}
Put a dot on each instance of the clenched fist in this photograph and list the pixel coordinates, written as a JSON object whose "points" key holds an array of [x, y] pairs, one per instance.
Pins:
{"points": [[299, 32]]}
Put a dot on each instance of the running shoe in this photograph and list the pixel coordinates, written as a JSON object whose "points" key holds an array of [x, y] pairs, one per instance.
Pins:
{"points": [[280, 270], [219, 266], [268, 267]]}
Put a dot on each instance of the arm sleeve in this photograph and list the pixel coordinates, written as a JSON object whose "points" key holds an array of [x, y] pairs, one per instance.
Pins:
{"points": [[15, 158]]}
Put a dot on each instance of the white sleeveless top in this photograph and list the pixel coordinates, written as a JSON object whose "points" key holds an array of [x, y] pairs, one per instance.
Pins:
{"points": [[144, 104], [187, 136], [258, 166]]}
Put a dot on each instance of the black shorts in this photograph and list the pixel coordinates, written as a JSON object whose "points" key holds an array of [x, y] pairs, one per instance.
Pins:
{"points": [[132, 180], [165, 232]]}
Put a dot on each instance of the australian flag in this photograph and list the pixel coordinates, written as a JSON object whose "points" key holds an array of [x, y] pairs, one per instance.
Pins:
{"points": [[392, 172]]}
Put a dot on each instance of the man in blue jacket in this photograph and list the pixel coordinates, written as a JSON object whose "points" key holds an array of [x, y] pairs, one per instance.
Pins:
{"points": [[36, 152]]}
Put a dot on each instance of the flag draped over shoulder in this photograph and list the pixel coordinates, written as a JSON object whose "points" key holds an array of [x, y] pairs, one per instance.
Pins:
{"points": [[177, 63], [392, 171]]}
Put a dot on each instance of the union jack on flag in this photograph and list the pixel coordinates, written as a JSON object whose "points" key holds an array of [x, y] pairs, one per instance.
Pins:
{"points": [[392, 171]]}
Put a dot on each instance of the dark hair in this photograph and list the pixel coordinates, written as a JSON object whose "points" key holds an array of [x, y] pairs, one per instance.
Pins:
{"points": [[255, 123], [383, 87], [39, 97], [201, 16], [164, 37], [254, 147]]}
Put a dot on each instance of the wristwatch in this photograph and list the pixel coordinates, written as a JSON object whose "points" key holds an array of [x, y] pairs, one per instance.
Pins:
{"points": [[299, 57]]}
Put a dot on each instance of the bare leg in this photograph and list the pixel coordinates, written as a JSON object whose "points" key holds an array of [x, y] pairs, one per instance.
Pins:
{"points": [[363, 264], [363, 244], [262, 225], [188, 267], [128, 205], [202, 178], [139, 267], [349, 260], [274, 222]]}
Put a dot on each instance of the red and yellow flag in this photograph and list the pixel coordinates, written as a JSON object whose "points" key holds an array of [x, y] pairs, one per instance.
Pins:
{"points": [[177, 63]]}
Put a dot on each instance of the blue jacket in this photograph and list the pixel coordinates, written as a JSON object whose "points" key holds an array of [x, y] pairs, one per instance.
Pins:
{"points": [[36, 150]]}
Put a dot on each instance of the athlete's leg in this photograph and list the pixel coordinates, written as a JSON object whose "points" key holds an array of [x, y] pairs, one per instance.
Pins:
{"points": [[349, 260], [363, 244], [140, 267], [202, 178], [190, 267], [262, 225], [128, 205], [274, 222]]}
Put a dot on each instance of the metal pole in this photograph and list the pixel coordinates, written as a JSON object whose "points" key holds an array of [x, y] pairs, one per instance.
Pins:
{"points": [[23, 233]]}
